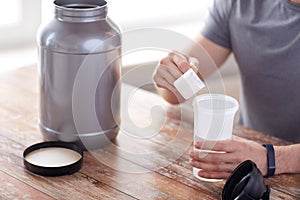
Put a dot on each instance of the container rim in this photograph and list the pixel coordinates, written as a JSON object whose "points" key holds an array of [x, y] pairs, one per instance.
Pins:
{"points": [[215, 110], [80, 5], [53, 171]]}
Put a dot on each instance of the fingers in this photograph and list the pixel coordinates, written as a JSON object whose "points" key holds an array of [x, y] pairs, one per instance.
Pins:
{"points": [[221, 145], [170, 69], [162, 83], [177, 61], [185, 62], [165, 73], [215, 157], [214, 175], [165, 77], [213, 167], [181, 62], [174, 72], [219, 162]]}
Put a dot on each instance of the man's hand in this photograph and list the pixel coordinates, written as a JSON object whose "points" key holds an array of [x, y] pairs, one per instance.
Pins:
{"points": [[220, 165], [210, 56], [169, 70]]}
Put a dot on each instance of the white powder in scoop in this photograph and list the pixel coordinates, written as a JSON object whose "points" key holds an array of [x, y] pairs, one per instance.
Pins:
{"points": [[52, 157], [189, 84]]}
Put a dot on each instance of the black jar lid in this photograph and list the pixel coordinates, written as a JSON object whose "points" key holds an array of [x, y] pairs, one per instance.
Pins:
{"points": [[53, 158]]}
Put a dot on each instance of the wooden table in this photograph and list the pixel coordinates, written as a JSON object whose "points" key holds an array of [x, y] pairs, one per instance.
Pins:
{"points": [[139, 165]]}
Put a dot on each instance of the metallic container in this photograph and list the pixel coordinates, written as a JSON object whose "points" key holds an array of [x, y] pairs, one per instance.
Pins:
{"points": [[79, 73]]}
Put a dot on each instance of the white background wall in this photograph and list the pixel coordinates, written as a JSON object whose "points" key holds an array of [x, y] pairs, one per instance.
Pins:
{"points": [[19, 21]]}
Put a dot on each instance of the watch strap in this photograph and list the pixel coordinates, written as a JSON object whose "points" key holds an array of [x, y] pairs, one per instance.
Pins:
{"points": [[271, 159]]}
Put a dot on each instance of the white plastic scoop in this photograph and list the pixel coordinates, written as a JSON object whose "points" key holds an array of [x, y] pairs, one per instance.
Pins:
{"points": [[189, 83]]}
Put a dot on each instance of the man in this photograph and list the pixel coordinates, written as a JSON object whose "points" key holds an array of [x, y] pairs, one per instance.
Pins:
{"points": [[264, 36]]}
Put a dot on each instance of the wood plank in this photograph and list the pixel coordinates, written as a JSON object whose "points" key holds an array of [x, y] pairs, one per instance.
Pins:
{"points": [[77, 186], [22, 123], [180, 146], [27, 141], [152, 184], [34, 136], [241, 131], [12, 188], [149, 185], [172, 179]]}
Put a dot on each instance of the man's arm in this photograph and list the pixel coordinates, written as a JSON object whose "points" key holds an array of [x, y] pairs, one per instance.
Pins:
{"points": [[287, 159], [217, 53], [214, 165], [210, 57]]}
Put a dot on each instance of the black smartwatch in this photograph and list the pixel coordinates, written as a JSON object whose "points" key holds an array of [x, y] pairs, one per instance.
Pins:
{"points": [[271, 159]]}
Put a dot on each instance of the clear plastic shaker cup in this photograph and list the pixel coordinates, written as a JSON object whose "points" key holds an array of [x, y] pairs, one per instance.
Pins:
{"points": [[213, 120]]}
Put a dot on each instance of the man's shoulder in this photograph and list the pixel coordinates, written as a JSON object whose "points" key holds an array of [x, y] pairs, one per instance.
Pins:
{"points": [[251, 3], [252, 7]]}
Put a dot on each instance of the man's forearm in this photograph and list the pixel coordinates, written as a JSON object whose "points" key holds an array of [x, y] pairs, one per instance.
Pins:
{"points": [[287, 159]]}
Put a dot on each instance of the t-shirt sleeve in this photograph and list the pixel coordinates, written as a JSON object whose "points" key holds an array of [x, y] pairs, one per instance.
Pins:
{"points": [[216, 26]]}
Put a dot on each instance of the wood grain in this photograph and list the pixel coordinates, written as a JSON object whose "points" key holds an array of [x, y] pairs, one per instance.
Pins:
{"points": [[148, 160], [12, 188]]}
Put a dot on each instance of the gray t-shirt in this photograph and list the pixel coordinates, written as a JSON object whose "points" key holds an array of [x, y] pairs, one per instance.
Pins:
{"points": [[264, 36]]}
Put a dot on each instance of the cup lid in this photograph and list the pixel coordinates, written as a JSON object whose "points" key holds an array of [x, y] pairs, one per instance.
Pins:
{"points": [[53, 158]]}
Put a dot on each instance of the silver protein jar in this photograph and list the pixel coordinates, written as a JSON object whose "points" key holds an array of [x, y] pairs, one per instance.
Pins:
{"points": [[79, 74]]}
